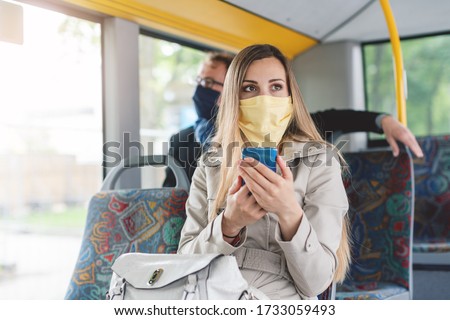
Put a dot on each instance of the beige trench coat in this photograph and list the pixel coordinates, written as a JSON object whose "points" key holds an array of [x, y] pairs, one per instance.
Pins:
{"points": [[298, 269]]}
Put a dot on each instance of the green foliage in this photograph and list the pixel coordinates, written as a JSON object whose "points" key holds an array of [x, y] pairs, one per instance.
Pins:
{"points": [[167, 71], [72, 217], [427, 63]]}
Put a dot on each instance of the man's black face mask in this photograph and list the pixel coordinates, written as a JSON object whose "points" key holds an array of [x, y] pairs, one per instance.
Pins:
{"points": [[205, 100]]}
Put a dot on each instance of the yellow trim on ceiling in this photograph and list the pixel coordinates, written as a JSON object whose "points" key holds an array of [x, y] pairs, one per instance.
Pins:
{"points": [[211, 22]]}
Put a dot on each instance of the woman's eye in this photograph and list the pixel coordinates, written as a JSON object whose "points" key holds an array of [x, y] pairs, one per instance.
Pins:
{"points": [[249, 88], [277, 87]]}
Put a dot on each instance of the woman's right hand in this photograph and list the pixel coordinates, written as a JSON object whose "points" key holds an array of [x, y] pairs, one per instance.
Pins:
{"points": [[241, 210]]}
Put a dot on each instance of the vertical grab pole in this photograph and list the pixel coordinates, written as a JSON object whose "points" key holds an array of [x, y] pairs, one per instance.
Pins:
{"points": [[400, 85]]}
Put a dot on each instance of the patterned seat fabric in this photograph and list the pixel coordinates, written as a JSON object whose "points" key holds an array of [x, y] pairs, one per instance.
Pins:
{"points": [[380, 191], [432, 204], [370, 291], [125, 221]]}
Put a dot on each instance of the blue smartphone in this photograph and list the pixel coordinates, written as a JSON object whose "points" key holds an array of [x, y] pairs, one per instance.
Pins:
{"points": [[267, 156]]}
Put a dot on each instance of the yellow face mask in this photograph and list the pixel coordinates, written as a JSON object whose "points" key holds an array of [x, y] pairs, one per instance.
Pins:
{"points": [[264, 119]]}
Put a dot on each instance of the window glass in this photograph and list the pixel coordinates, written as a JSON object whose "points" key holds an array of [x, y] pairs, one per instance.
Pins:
{"points": [[167, 71], [426, 61], [51, 151]]}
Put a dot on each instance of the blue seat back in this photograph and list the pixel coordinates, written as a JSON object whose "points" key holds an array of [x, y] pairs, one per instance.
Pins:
{"points": [[381, 194], [125, 221], [129, 220], [432, 204]]}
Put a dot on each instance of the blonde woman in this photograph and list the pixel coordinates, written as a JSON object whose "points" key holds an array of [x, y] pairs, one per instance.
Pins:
{"points": [[287, 229]]}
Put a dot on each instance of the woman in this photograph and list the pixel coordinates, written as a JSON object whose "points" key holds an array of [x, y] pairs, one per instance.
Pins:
{"points": [[288, 231]]}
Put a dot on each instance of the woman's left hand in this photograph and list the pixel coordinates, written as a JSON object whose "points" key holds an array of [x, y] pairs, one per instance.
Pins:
{"points": [[274, 193]]}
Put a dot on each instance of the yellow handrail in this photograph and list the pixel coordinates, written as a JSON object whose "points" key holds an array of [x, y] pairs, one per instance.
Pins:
{"points": [[400, 87]]}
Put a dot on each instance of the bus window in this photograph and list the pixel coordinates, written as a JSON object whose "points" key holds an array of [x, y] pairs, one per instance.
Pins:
{"points": [[166, 76], [51, 151], [428, 78]]}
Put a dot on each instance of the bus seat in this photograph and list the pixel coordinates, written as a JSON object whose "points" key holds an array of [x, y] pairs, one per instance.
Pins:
{"points": [[128, 220], [431, 242], [380, 188]]}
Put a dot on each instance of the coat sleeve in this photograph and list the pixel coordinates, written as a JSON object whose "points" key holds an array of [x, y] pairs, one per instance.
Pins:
{"points": [[346, 121], [311, 253], [198, 235]]}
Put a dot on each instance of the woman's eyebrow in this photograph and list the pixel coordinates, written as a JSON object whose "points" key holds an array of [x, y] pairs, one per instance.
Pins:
{"points": [[271, 80]]}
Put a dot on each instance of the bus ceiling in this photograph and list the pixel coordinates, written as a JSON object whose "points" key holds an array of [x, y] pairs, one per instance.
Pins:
{"points": [[293, 26]]}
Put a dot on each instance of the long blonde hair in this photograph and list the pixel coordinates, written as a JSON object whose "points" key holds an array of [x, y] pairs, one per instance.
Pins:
{"points": [[228, 135]]}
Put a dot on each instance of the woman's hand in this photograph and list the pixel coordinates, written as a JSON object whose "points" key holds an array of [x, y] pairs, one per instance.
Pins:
{"points": [[274, 193], [242, 209]]}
